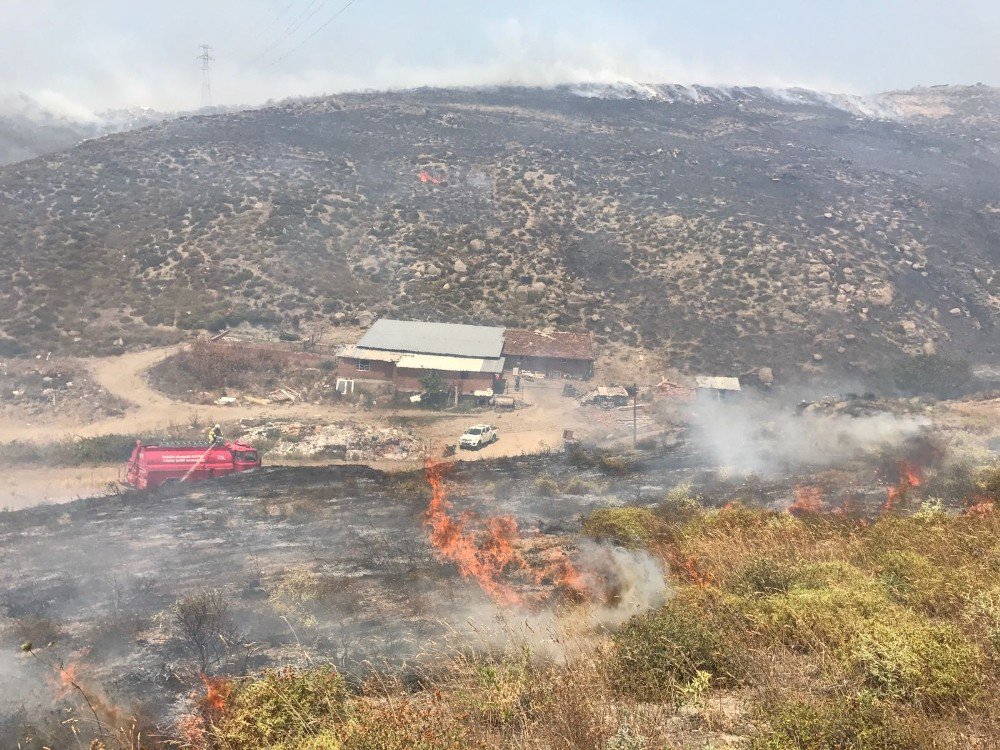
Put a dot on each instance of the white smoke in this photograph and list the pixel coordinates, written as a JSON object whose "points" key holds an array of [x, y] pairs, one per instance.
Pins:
{"points": [[622, 583], [625, 582], [764, 436]]}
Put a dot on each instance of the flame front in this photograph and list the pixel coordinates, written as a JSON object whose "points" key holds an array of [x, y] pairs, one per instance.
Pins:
{"points": [[67, 679], [483, 557], [217, 690], [492, 553], [808, 499], [427, 177], [910, 476]]}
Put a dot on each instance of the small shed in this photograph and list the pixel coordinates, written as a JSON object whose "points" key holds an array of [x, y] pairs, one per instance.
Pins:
{"points": [[550, 353], [719, 387]]}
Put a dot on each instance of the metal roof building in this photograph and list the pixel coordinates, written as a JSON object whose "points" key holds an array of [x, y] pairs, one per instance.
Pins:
{"points": [[442, 339], [715, 383]]}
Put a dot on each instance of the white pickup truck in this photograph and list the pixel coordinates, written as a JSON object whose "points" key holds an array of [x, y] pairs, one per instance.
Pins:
{"points": [[478, 436]]}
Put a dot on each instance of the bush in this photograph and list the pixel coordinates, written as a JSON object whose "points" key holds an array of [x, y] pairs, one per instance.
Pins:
{"points": [[282, 709], [611, 464], [215, 365], [858, 722], [402, 723], [577, 486], [101, 449], [916, 662], [655, 654], [764, 575], [626, 527], [826, 606], [546, 486]]}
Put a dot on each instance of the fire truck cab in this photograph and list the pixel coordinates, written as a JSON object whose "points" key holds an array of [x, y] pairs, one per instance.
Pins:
{"points": [[154, 465]]}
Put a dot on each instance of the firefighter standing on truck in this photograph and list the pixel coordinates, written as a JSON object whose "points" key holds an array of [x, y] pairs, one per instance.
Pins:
{"points": [[215, 434]]}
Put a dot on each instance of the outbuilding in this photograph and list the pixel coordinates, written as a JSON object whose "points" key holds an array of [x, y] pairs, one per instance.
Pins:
{"points": [[556, 353]]}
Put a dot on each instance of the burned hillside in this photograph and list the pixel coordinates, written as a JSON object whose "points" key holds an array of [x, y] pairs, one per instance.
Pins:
{"points": [[724, 228]]}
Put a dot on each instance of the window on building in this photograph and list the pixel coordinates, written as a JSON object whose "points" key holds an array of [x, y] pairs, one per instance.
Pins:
{"points": [[364, 365]]}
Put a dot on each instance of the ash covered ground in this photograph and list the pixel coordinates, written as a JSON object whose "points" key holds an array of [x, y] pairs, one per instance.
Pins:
{"points": [[330, 562]]}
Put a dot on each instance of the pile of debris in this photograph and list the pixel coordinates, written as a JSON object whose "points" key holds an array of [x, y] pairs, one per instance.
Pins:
{"points": [[343, 441], [606, 396]]}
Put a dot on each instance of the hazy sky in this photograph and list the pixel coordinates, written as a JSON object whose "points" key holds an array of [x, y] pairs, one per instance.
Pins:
{"points": [[96, 54]]}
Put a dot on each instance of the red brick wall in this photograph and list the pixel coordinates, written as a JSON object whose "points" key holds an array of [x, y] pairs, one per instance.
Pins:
{"points": [[576, 368], [409, 380], [348, 369]]}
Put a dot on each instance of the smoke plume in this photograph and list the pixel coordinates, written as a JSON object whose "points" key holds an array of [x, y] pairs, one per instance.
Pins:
{"points": [[768, 437]]}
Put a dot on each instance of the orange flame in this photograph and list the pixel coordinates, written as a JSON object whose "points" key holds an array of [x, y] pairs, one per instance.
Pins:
{"points": [[808, 499], [910, 476], [491, 553], [217, 691], [980, 507], [702, 579], [67, 679], [483, 558], [428, 177]]}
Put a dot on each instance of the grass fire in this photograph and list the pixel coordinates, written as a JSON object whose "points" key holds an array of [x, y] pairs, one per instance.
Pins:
{"points": [[549, 410]]}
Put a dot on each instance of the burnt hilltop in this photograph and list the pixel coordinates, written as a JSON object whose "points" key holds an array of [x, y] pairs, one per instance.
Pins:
{"points": [[721, 228]]}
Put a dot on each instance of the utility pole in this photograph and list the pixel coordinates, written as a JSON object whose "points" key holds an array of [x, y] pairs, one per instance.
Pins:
{"points": [[206, 81], [633, 391]]}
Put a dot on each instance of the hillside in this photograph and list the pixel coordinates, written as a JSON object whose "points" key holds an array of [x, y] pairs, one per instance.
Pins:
{"points": [[723, 228], [29, 129]]}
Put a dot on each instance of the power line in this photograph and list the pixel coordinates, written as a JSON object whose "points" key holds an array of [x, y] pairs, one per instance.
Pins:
{"points": [[322, 26], [206, 81], [265, 25], [292, 27]]}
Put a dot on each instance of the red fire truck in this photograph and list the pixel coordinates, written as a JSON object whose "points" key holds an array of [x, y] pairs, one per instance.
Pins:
{"points": [[154, 465]]}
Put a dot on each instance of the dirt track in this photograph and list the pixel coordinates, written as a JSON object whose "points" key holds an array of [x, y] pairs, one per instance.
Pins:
{"points": [[537, 427]]}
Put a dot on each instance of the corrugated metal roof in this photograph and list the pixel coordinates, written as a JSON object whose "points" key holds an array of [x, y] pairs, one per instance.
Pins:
{"points": [[717, 383], [375, 355], [450, 364], [448, 339]]}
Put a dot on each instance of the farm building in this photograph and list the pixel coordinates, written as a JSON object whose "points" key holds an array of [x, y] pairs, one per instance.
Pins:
{"points": [[468, 359], [556, 353], [717, 387]]}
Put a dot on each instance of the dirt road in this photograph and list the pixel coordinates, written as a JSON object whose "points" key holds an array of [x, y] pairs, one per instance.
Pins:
{"points": [[536, 426]]}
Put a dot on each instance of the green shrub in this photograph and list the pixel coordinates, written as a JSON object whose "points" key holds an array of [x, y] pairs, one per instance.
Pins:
{"points": [[281, 708], [916, 662], [100, 449], [577, 486], [764, 575], [655, 654], [826, 606], [681, 503], [915, 581], [627, 527], [402, 723], [616, 464], [857, 723], [546, 486], [501, 689]]}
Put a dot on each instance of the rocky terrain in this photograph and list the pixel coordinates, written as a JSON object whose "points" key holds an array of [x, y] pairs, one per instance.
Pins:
{"points": [[39, 389], [723, 229]]}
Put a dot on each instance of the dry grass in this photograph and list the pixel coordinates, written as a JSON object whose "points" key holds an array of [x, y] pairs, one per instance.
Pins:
{"points": [[808, 633]]}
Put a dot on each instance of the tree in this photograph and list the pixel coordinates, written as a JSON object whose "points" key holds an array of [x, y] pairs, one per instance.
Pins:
{"points": [[206, 626], [434, 387]]}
